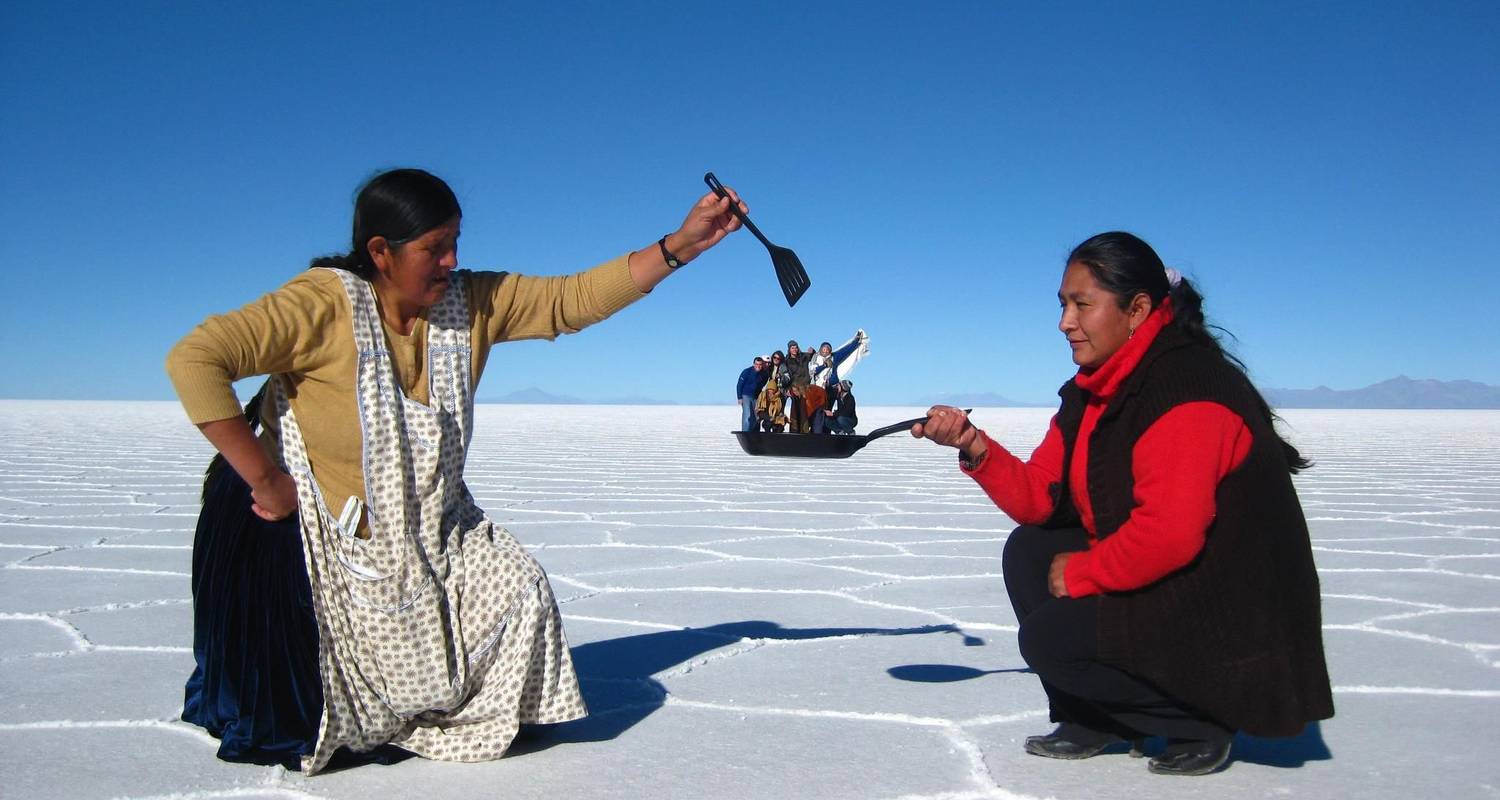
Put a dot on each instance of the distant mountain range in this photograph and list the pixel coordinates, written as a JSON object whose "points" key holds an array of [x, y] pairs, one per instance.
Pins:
{"points": [[976, 400], [535, 396], [1399, 392]]}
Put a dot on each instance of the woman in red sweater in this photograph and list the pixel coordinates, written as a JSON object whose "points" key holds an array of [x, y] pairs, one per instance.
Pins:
{"points": [[1162, 574]]}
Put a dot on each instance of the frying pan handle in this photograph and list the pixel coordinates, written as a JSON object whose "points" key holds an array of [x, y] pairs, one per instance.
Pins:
{"points": [[713, 183], [896, 427]]}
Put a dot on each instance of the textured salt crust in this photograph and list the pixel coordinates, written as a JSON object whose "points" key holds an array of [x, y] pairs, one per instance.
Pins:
{"points": [[750, 627]]}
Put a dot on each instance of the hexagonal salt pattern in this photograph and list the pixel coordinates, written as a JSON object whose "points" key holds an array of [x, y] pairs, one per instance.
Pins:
{"points": [[746, 627]]}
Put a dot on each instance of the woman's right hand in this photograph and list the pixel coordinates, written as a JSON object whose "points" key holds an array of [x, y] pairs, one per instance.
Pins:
{"points": [[273, 492], [276, 498], [950, 427]]}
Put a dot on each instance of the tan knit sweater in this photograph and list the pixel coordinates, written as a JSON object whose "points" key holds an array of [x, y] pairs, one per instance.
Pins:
{"points": [[304, 331]]}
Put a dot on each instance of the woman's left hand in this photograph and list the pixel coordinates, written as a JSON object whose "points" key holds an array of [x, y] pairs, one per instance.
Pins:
{"points": [[951, 427], [707, 223], [1055, 581]]}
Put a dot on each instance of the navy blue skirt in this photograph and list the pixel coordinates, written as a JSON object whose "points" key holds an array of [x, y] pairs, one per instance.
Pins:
{"points": [[256, 685]]}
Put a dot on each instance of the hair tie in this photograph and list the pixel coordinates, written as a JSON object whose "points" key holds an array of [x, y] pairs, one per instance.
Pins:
{"points": [[1173, 277]]}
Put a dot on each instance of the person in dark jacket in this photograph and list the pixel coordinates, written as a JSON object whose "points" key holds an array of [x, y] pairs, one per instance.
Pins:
{"points": [[1163, 573], [752, 380], [797, 367], [841, 414]]}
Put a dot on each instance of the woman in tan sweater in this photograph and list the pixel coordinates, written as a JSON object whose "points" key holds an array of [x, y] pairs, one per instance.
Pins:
{"points": [[400, 614]]}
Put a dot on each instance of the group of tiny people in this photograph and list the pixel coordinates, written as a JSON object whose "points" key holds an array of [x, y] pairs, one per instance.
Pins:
{"points": [[799, 391], [349, 593]]}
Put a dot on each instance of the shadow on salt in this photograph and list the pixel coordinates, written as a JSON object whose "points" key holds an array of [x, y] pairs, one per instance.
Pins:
{"points": [[1288, 752], [617, 674]]}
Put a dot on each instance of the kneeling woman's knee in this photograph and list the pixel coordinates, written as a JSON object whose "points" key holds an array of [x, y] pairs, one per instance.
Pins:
{"points": [[1037, 646], [1022, 545]]}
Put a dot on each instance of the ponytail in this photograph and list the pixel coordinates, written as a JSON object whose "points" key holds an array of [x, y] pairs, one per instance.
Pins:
{"points": [[1126, 266], [1187, 315], [347, 262]]}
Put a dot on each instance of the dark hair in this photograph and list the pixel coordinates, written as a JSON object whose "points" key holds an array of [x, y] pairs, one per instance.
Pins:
{"points": [[1126, 266], [400, 205]]}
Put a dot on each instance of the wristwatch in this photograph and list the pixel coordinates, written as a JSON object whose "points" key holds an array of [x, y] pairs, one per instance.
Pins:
{"points": [[672, 261], [963, 460]]}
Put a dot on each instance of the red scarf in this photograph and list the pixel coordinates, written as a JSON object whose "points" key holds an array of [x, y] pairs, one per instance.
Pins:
{"points": [[1101, 383]]}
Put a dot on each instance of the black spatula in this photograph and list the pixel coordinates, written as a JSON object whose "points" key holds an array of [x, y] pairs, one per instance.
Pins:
{"points": [[789, 271]]}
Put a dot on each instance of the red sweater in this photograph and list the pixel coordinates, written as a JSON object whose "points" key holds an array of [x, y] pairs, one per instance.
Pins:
{"points": [[1177, 465]]}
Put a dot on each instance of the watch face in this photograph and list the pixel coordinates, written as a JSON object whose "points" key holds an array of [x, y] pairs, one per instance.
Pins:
{"points": [[666, 255]]}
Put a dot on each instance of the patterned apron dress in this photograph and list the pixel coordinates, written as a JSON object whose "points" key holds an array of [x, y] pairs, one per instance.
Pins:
{"points": [[438, 632]]}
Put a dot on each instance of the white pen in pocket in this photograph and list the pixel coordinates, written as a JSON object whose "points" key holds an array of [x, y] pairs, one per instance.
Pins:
{"points": [[349, 517]]}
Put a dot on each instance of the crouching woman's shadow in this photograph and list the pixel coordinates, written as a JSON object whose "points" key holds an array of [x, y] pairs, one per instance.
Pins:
{"points": [[616, 675]]}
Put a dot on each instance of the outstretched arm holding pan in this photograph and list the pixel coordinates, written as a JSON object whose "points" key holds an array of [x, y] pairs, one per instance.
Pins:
{"points": [[951, 427]]}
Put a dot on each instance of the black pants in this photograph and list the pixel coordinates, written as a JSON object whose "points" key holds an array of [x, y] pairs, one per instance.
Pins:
{"points": [[1059, 640]]}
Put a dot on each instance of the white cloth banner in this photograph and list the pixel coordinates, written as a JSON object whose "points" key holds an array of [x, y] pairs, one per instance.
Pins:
{"points": [[835, 368]]}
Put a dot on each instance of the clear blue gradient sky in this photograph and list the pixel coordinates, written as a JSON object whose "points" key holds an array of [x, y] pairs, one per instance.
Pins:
{"points": [[1327, 172]]}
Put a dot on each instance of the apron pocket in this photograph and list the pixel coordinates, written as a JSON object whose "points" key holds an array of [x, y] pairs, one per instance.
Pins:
{"points": [[404, 644]]}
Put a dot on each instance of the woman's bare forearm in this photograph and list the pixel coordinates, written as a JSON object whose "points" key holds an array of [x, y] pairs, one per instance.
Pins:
{"points": [[238, 444], [273, 492]]}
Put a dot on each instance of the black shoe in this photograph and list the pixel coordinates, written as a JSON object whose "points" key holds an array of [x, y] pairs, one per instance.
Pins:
{"points": [[1071, 741], [1191, 757]]}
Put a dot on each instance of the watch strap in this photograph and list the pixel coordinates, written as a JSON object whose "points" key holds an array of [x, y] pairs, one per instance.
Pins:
{"points": [[672, 261]]}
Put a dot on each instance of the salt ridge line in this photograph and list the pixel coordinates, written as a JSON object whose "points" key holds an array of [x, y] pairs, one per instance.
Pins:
{"points": [[16, 523], [71, 568], [722, 557], [1424, 538], [982, 794], [98, 648], [979, 771], [1325, 549], [76, 636], [1436, 611], [1418, 690], [80, 642], [1365, 627], [123, 498], [113, 546], [125, 606], [1412, 570], [215, 794], [167, 724], [595, 591], [1374, 598], [1418, 523], [772, 532], [885, 577]]}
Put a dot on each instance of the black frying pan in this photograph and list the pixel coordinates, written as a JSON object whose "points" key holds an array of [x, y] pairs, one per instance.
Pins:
{"points": [[814, 445]]}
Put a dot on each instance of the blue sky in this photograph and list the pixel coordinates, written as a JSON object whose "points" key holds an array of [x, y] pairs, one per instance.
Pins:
{"points": [[1326, 172]]}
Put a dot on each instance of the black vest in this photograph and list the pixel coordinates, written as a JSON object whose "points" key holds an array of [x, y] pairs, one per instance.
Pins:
{"points": [[1237, 633]]}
